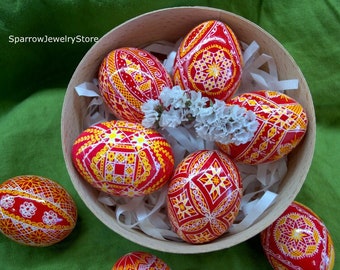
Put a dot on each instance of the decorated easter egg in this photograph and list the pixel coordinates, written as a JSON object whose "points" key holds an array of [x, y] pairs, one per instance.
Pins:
{"points": [[209, 60], [204, 196], [282, 125], [128, 77], [139, 260], [36, 211], [298, 239], [123, 158]]}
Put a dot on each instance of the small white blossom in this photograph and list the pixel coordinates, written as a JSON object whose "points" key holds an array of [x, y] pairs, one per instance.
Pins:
{"points": [[151, 115], [174, 97], [171, 118], [197, 102], [27, 209], [226, 124]]}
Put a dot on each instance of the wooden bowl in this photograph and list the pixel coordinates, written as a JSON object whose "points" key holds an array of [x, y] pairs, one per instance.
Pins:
{"points": [[171, 24]]}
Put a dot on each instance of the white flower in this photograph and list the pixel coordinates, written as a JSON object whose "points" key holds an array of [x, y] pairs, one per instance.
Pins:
{"points": [[151, 114], [226, 124], [7, 201], [27, 209], [174, 97], [197, 102], [171, 118], [206, 114], [50, 218], [217, 122]]}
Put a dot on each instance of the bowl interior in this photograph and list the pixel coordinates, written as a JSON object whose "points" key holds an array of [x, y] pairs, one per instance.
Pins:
{"points": [[171, 24]]}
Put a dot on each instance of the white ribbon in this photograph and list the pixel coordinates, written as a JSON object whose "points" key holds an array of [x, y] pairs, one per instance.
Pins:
{"points": [[87, 89], [96, 111], [255, 78], [252, 211], [184, 140], [147, 213]]}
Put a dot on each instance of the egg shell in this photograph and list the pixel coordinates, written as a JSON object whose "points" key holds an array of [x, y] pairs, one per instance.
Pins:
{"points": [[128, 77], [123, 158], [139, 260], [204, 196], [209, 60], [282, 125], [36, 211], [298, 239]]}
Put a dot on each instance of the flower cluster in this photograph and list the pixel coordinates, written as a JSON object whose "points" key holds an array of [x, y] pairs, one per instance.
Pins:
{"points": [[212, 120]]}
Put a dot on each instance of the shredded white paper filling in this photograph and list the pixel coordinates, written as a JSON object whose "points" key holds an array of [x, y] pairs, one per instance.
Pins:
{"points": [[260, 182]]}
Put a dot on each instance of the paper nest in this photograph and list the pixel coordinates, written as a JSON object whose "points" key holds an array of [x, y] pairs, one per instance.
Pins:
{"points": [[260, 182]]}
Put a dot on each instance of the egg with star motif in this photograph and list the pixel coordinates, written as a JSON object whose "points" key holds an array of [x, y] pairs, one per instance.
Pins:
{"points": [[139, 260], [204, 196], [127, 78], [36, 211], [209, 60], [123, 158], [282, 125], [298, 239]]}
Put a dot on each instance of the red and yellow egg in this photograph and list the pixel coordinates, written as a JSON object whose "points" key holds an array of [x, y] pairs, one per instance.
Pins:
{"points": [[282, 125], [298, 239], [204, 196], [123, 158], [128, 77], [209, 60], [139, 260], [36, 211]]}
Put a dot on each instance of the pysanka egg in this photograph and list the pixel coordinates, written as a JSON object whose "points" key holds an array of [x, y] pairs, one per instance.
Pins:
{"points": [[139, 260], [36, 211], [282, 125], [128, 77], [209, 60], [204, 196], [298, 239], [123, 158]]}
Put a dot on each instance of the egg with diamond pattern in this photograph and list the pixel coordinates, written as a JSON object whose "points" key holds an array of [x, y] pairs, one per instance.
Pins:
{"points": [[204, 196]]}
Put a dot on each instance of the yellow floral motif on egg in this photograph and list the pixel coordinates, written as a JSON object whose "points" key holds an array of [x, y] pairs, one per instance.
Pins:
{"points": [[213, 69], [114, 135], [296, 236], [139, 140], [182, 203]]}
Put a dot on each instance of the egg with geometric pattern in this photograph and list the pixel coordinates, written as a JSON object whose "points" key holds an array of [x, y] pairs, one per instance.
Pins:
{"points": [[204, 196], [36, 211], [122, 158], [298, 239], [209, 60], [128, 77], [282, 125], [139, 260]]}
